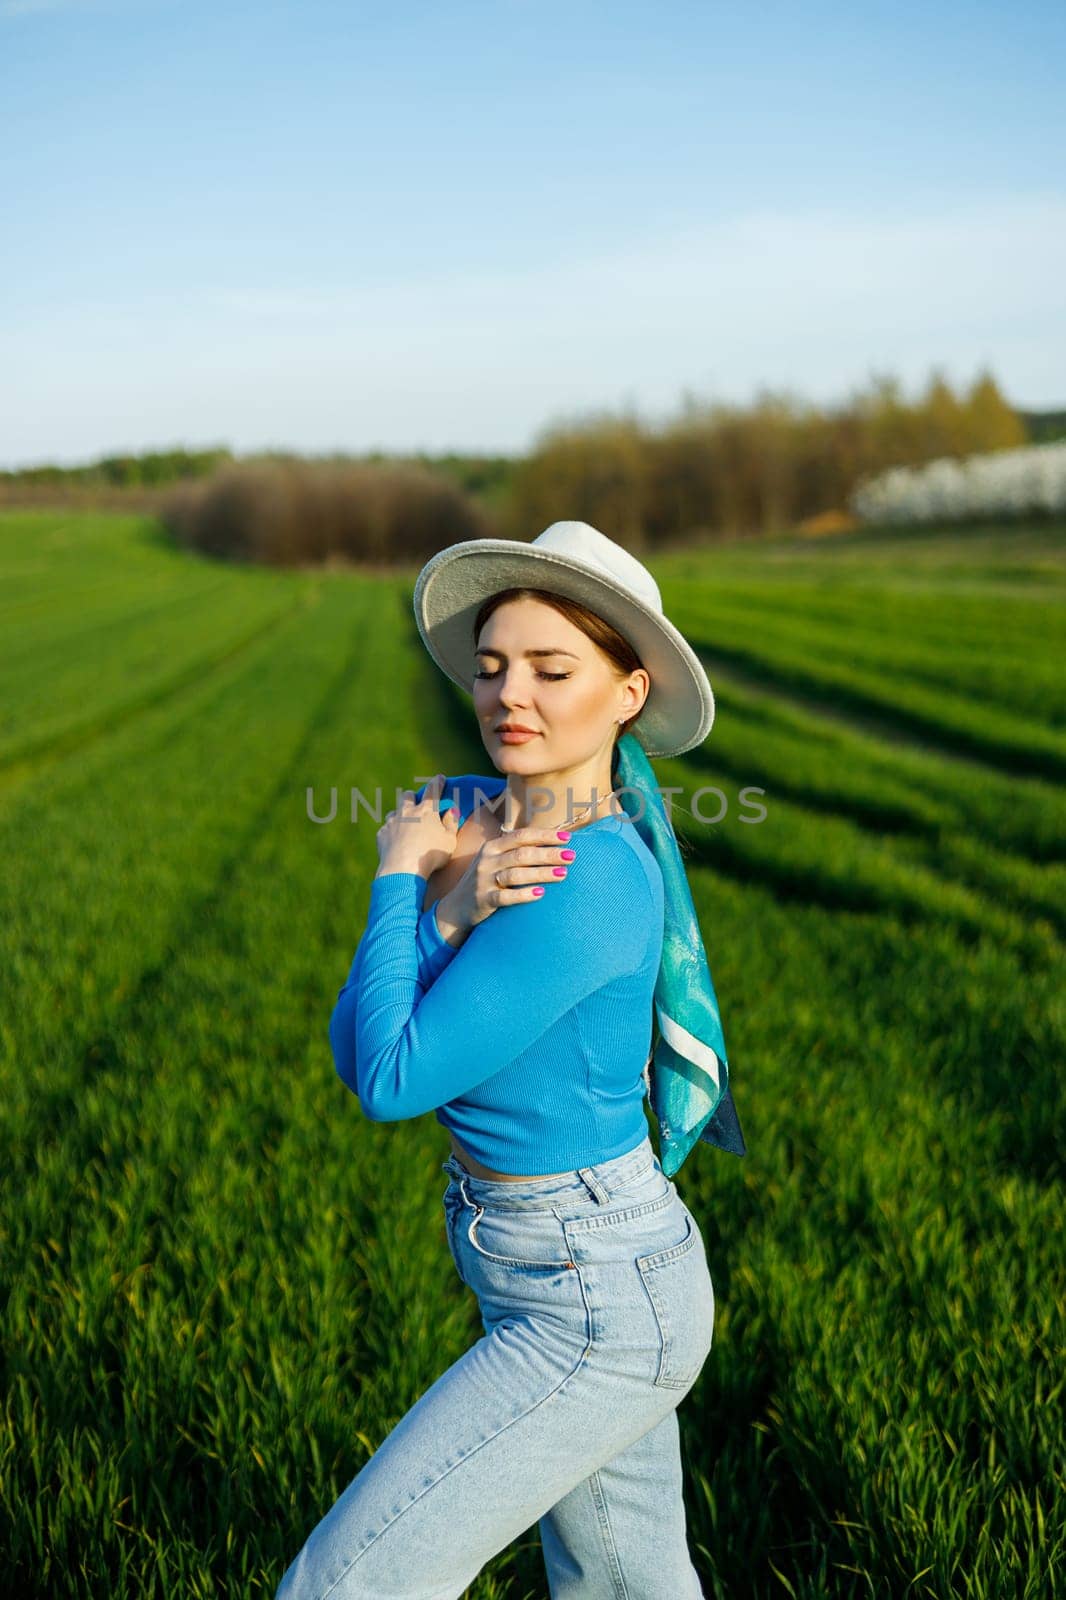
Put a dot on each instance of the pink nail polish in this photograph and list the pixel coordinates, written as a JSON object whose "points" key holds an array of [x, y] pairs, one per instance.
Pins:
{"points": [[560, 872], [538, 888], [562, 836]]}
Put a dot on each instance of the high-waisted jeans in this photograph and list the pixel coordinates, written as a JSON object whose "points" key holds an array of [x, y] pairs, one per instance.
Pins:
{"points": [[597, 1306]]}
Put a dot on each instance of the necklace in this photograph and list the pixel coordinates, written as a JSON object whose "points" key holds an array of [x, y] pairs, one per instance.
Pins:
{"points": [[591, 805]]}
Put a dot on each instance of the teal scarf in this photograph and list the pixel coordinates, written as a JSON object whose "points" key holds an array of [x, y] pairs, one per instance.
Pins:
{"points": [[687, 1074]]}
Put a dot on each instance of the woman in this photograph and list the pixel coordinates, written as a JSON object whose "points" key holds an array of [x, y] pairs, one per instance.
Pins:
{"points": [[528, 1035]]}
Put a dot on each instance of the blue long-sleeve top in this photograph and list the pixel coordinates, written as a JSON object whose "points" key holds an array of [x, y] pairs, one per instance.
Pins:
{"points": [[530, 1040]]}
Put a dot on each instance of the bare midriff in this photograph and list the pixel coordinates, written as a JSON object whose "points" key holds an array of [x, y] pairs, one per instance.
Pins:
{"points": [[468, 841], [476, 1170]]}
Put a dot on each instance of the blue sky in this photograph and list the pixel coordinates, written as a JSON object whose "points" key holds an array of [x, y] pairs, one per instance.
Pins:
{"points": [[410, 226]]}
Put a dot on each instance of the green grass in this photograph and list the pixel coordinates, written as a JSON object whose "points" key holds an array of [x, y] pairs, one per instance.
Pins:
{"points": [[222, 1287]]}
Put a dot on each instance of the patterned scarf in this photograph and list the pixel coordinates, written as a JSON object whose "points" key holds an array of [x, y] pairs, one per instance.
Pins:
{"points": [[687, 1073]]}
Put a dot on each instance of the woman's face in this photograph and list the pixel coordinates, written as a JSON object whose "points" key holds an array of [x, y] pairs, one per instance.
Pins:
{"points": [[534, 667]]}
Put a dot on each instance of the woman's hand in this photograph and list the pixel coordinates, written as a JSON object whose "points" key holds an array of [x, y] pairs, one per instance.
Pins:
{"points": [[504, 872], [417, 837]]}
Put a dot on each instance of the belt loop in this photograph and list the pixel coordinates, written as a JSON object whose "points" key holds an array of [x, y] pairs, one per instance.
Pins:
{"points": [[593, 1184]]}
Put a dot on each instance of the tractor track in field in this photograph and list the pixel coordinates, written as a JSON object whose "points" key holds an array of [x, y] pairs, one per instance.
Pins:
{"points": [[908, 729], [30, 759], [869, 821], [59, 1110], [151, 607]]}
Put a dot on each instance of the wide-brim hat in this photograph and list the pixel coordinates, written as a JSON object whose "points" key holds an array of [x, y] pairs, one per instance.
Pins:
{"points": [[575, 560]]}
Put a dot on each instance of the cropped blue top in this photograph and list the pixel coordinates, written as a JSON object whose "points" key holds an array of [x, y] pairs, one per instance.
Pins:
{"points": [[530, 1040]]}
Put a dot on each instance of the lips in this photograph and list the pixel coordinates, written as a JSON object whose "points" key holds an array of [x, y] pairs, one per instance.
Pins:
{"points": [[514, 727]]}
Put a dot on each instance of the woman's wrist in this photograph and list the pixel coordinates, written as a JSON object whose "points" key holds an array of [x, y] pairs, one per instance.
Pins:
{"points": [[450, 927], [395, 864]]}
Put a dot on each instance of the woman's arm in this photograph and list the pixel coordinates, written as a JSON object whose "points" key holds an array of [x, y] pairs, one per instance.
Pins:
{"points": [[407, 1049], [432, 949], [432, 954]]}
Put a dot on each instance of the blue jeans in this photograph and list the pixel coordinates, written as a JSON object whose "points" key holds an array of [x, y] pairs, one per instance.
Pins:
{"points": [[598, 1308]]}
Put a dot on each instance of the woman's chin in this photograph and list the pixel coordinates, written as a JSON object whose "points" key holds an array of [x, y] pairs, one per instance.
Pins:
{"points": [[518, 758]]}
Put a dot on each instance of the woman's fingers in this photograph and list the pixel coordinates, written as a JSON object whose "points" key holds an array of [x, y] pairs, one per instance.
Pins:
{"points": [[529, 859], [535, 846]]}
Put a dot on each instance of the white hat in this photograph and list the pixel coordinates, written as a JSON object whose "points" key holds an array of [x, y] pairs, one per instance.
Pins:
{"points": [[575, 560]]}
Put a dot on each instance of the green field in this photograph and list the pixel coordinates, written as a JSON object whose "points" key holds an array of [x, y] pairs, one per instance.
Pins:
{"points": [[222, 1286]]}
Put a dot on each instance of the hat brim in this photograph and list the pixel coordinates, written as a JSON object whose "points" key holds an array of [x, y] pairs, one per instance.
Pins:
{"points": [[679, 710]]}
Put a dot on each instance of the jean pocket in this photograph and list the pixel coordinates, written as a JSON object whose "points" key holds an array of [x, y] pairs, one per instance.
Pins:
{"points": [[527, 1241], [678, 1284]]}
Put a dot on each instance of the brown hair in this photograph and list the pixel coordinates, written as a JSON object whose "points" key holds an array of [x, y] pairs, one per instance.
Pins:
{"points": [[616, 648]]}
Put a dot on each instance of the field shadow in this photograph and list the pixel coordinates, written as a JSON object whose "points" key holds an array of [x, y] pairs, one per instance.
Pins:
{"points": [[869, 715]]}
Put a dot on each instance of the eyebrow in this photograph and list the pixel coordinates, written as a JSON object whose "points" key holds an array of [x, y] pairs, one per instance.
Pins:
{"points": [[502, 657]]}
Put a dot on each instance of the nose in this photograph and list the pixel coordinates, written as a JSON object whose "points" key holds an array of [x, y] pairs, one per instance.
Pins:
{"points": [[509, 691]]}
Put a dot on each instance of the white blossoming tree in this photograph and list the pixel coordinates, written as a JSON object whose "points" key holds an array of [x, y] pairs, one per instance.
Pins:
{"points": [[1002, 483]]}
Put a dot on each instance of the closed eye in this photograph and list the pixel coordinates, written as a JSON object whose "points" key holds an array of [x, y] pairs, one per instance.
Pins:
{"points": [[554, 676]]}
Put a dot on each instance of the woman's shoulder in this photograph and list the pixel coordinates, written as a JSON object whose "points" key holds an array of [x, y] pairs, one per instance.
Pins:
{"points": [[473, 781], [468, 789], [609, 897], [633, 863], [624, 866]]}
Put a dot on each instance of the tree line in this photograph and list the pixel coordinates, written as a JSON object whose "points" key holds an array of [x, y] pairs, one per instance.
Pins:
{"points": [[711, 471]]}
